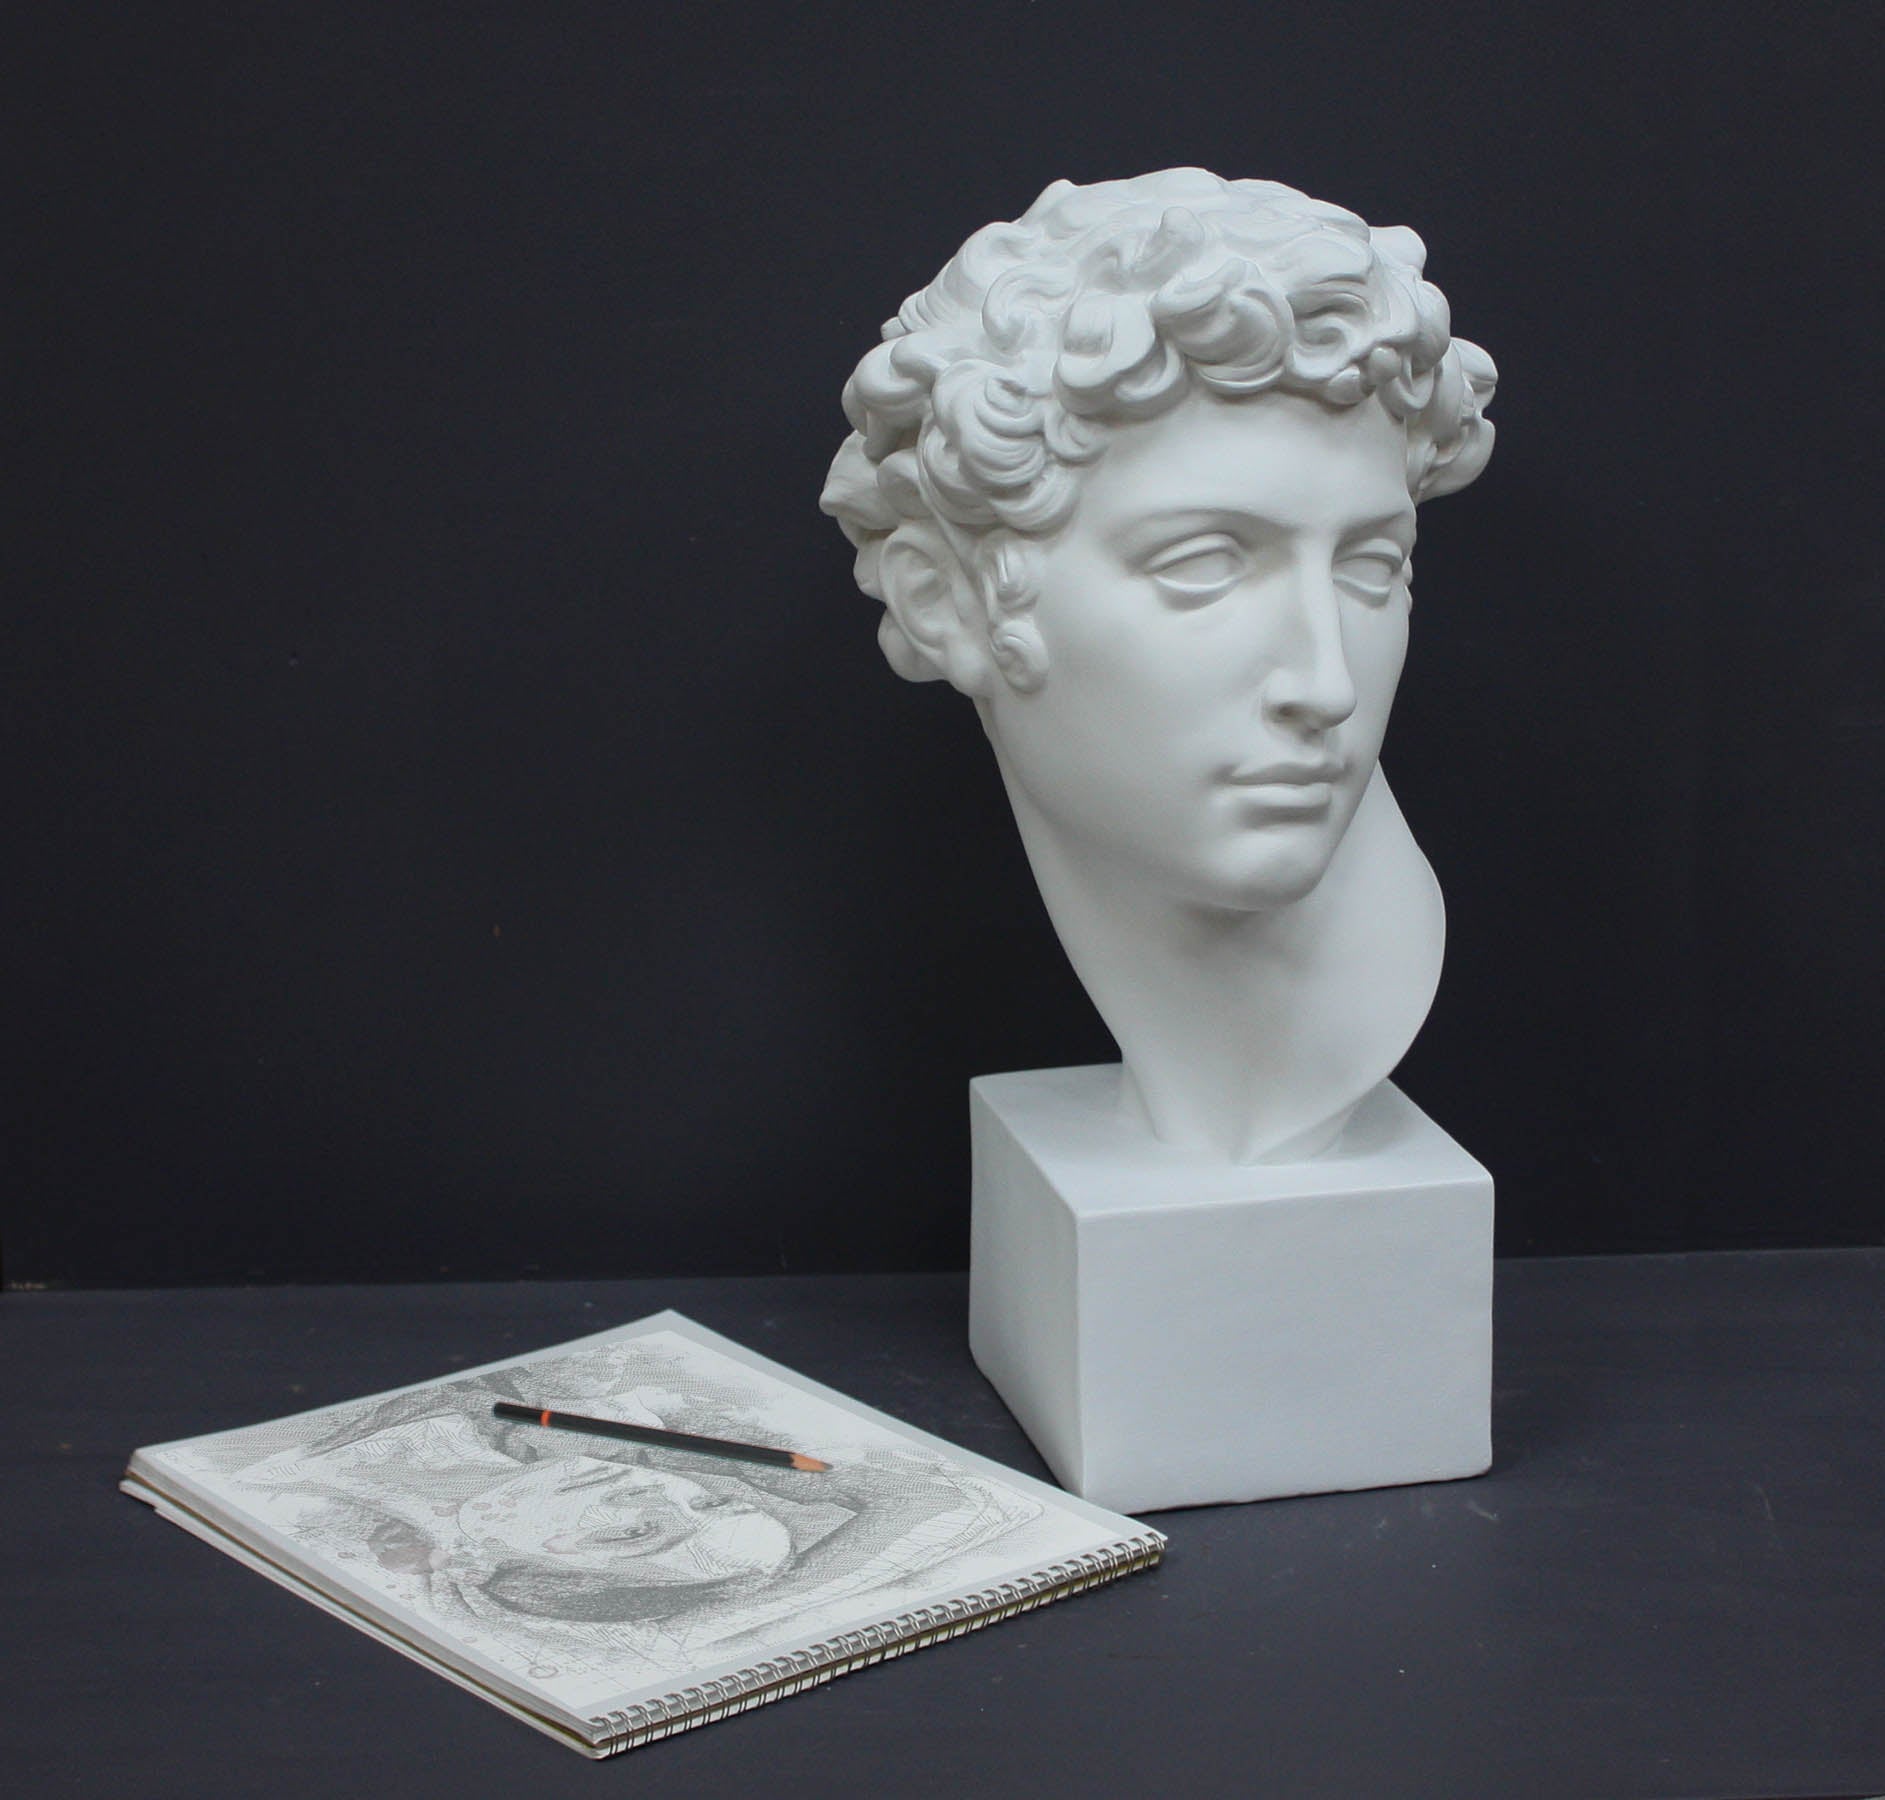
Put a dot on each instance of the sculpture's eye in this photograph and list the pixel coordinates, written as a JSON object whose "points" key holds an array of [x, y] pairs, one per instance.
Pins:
{"points": [[1199, 570], [1370, 573]]}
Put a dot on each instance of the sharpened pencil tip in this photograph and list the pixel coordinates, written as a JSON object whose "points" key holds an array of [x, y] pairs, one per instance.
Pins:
{"points": [[801, 1461]]}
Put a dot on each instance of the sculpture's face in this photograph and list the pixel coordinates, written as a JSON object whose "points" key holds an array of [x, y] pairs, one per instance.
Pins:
{"points": [[1224, 620]]}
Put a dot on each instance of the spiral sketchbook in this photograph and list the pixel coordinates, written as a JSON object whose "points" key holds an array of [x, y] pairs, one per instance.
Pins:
{"points": [[610, 1594]]}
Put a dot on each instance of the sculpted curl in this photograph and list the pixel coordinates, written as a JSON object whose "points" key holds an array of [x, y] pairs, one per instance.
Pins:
{"points": [[1102, 305]]}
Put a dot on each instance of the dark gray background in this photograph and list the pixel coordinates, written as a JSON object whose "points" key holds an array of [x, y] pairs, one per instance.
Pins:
{"points": [[467, 827]]}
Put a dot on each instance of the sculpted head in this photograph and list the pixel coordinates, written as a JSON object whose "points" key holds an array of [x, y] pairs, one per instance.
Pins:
{"points": [[1137, 472]]}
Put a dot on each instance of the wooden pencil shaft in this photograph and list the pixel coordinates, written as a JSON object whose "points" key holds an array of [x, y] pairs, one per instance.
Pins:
{"points": [[644, 1434]]}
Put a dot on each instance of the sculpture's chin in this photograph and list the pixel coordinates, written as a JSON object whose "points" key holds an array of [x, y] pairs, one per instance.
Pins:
{"points": [[1270, 892], [1267, 868]]}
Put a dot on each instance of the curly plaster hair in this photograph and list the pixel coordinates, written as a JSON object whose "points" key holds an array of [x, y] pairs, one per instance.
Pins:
{"points": [[1108, 304]]}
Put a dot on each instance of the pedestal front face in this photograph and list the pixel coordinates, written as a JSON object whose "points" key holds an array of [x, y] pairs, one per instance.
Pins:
{"points": [[1173, 1332]]}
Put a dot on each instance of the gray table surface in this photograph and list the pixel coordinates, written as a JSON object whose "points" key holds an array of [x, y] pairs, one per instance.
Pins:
{"points": [[1671, 1584]]}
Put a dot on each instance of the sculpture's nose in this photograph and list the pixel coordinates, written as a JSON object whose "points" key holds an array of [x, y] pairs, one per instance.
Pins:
{"points": [[1309, 685]]}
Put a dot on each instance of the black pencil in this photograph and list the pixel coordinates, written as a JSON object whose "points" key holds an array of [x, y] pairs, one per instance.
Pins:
{"points": [[661, 1440]]}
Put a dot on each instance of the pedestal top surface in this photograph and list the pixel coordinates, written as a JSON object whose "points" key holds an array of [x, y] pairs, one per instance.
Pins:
{"points": [[1104, 1163]]}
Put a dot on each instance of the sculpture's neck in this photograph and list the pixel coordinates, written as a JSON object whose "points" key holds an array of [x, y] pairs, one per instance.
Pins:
{"points": [[1251, 1037]]}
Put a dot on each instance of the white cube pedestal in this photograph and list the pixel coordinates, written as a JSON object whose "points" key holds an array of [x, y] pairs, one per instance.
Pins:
{"points": [[1174, 1332]]}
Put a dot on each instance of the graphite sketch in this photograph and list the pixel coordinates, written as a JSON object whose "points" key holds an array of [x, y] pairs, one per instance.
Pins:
{"points": [[584, 1564]]}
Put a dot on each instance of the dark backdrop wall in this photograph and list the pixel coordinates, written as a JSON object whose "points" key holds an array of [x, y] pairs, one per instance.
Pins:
{"points": [[468, 827]]}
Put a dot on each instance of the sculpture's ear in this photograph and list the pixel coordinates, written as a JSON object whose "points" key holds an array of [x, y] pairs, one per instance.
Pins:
{"points": [[932, 601]]}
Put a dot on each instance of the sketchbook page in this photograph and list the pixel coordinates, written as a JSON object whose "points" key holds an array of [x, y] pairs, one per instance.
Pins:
{"points": [[253, 1559], [584, 1575]]}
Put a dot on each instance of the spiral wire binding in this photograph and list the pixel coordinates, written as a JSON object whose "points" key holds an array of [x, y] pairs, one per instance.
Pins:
{"points": [[627, 1727]]}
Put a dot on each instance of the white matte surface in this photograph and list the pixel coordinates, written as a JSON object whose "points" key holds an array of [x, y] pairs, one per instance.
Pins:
{"points": [[1137, 473], [1175, 1331]]}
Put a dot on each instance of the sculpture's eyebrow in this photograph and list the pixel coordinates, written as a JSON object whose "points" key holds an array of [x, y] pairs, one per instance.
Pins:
{"points": [[1152, 531], [1395, 524]]}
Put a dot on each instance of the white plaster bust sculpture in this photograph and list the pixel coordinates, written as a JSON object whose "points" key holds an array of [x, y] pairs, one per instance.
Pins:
{"points": [[1137, 473]]}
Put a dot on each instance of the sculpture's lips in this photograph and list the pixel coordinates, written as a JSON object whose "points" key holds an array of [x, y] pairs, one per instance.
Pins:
{"points": [[1287, 774], [1287, 790]]}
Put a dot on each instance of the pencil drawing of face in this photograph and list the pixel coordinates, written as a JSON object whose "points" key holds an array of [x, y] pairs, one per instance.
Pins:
{"points": [[636, 1524], [532, 1537]]}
